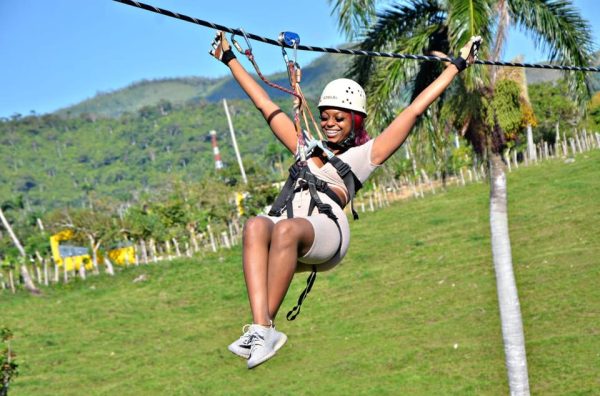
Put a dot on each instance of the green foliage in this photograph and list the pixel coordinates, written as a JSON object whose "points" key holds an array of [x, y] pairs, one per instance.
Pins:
{"points": [[552, 106], [507, 106], [594, 113], [462, 157], [144, 223], [8, 368]]}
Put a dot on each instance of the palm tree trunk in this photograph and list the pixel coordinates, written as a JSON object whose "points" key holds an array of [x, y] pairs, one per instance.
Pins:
{"points": [[508, 299], [530, 145]]}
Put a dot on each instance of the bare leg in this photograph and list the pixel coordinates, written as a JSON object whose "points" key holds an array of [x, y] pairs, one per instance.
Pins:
{"points": [[289, 238], [257, 238]]}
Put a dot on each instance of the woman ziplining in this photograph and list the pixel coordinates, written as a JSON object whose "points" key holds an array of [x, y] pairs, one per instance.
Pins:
{"points": [[307, 228]]}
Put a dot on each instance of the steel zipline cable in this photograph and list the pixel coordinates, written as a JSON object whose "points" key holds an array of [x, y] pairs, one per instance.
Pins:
{"points": [[341, 50]]}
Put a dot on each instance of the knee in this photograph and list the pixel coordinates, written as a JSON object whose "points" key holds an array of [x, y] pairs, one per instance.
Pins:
{"points": [[285, 234], [257, 228]]}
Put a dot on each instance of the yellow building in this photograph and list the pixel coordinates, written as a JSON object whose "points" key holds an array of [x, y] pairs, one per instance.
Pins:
{"points": [[73, 257], [69, 256]]}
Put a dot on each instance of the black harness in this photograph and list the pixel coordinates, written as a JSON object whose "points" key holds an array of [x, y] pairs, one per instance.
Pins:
{"points": [[301, 179]]}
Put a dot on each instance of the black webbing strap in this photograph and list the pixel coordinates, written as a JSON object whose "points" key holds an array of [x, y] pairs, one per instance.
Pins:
{"points": [[286, 192], [316, 200], [309, 284], [350, 180]]}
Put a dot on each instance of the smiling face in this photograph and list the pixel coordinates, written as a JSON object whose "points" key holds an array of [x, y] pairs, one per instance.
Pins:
{"points": [[336, 124]]}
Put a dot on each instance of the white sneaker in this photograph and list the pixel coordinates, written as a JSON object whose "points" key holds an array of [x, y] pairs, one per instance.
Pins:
{"points": [[265, 342], [241, 346]]}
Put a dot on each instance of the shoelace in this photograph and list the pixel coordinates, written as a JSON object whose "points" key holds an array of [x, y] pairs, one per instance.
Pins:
{"points": [[246, 338], [256, 340]]}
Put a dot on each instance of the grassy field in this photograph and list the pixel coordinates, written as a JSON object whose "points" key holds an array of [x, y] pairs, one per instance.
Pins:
{"points": [[412, 310]]}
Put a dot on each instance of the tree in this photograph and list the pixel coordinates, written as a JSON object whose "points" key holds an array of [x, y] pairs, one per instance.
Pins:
{"points": [[423, 26], [96, 227], [29, 285], [553, 108], [594, 112]]}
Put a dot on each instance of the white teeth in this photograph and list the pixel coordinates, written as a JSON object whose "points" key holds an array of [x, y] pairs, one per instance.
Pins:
{"points": [[331, 133]]}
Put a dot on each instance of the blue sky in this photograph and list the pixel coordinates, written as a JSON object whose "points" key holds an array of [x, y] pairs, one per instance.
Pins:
{"points": [[55, 53]]}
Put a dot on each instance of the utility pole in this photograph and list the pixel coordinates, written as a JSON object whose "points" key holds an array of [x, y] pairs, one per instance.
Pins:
{"points": [[215, 147], [235, 146]]}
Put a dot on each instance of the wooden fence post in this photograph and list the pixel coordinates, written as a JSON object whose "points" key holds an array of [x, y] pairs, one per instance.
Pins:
{"points": [[168, 250], [82, 271], [46, 271], [11, 281], [176, 244], [213, 245], [225, 239], [153, 250], [144, 251], [65, 272]]}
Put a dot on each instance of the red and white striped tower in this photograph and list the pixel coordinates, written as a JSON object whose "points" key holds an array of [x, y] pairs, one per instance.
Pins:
{"points": [[218, 162]]}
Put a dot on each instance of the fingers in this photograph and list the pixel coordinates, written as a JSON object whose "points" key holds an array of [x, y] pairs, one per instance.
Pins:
{"points": [[475, 43], [223, 40], [217, 48], [470, 51]]}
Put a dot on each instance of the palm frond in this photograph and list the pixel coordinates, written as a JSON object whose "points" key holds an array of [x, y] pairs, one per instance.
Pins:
{"points": [[468, 18], [415, 28], [353, 15], [559, 31], [392, 26]]}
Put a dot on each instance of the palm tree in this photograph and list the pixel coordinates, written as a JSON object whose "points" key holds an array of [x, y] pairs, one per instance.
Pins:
{"points": [[423, 26]]}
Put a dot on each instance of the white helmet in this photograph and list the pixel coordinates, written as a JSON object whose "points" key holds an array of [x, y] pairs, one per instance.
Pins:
{"points": [[346, 94]]}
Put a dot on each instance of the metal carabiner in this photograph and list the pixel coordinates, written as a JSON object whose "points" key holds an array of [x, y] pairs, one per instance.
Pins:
{"points": [[238, 46]]}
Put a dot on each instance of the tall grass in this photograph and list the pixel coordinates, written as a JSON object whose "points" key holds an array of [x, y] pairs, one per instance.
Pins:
{"points": [[412, 310]]}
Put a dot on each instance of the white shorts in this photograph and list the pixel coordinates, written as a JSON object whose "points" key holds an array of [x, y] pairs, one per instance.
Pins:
{"points": [[327, 250]]}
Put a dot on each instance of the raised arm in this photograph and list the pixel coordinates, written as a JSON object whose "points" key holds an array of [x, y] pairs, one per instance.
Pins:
{"points": [[396, 133], [281, 125]]}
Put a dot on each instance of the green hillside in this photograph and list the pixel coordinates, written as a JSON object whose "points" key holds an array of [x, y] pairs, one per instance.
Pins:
{"points": [[180, 91], [55, 162], [412, 310], [143, 93]]}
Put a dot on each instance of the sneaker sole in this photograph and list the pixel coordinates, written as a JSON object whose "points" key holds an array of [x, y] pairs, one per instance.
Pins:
{"points": [[242, 355], [277, 347]]}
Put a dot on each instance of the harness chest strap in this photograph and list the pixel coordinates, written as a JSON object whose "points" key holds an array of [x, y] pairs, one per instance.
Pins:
{"points": [[314, 184], [350, 180]]}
